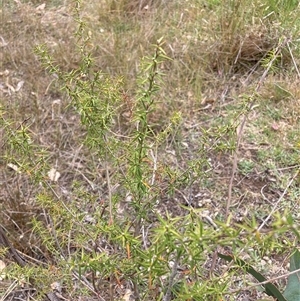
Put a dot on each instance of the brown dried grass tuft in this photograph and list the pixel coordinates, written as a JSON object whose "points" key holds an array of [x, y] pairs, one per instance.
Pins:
{"points": [[240, 52]]}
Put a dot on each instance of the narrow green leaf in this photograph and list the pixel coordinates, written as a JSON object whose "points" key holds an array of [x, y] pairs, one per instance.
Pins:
{"points": [[270, 289]]}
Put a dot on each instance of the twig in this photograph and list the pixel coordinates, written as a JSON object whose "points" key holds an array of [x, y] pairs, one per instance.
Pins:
{"points": [[278, 201], [263, 195], [167, 296], [108, 187], [241, 128], [11, 288], [13, 252], [85, 282], [235, 158], [154, 158], [267, 281], [184, 197], [53, 232], [293, 59]]}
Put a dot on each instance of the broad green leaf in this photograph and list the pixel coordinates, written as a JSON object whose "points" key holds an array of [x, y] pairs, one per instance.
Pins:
{"points": [[292, 291]]}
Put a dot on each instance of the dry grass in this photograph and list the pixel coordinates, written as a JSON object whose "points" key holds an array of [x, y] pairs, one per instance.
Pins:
{"points": [[215, 59]]}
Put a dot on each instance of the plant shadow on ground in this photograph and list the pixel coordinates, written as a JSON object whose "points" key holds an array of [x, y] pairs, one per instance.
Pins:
{"points": [[97, 220]]}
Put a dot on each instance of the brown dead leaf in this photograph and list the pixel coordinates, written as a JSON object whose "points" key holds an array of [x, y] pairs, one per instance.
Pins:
{"points": [[41, 7], [53, 175], [128, 296]]}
